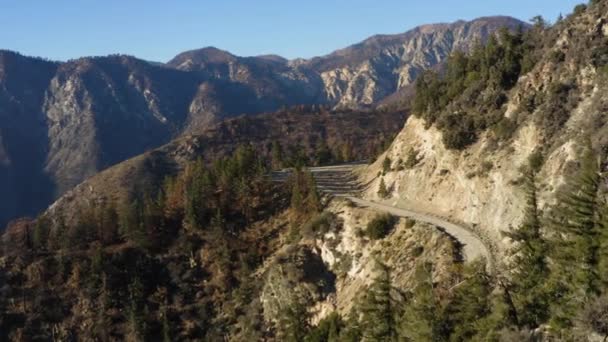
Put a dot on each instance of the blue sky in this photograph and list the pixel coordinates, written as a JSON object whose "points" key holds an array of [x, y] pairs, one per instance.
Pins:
{"points": [[158, 30]]}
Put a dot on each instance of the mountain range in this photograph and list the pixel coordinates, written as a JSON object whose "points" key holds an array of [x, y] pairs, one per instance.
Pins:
{"points": [[62, 122]]}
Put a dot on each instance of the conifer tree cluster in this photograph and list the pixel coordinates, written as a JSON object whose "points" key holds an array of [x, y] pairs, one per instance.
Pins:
{"points": [[305, 198], [199, 198], [474, 87], [320, 154]]}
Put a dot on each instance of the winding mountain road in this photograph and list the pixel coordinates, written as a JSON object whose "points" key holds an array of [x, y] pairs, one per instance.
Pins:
{"points": [[339, 181]]}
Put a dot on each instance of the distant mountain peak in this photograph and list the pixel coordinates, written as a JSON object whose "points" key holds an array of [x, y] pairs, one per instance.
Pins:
{"points": [[194, 58], [273, 58]]}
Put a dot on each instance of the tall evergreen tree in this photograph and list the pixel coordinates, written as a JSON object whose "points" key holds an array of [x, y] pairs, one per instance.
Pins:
{"points": [[41, 233], [489, 328], [139, 222], [323, 154], [382, 190], [578, 223], [312, 200], [378, 309], [198, 185], [277, 155], [103, 323], [243, 198], [293, 324], [529, 267], [469, 305], [136, 327], [297, 196], [107, 224], [128, 218], [421, 319]]}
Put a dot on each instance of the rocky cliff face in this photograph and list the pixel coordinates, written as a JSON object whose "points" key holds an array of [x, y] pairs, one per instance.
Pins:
{"points": [[102, 111], [359, 75], [365, 73], [555, 108], [23, 134]]}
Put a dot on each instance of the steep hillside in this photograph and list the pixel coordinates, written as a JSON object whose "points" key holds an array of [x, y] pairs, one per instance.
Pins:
{"points": [[284, 138], [462, 156], [63, 122], [101, 111], [26, 189], [221, 253]]}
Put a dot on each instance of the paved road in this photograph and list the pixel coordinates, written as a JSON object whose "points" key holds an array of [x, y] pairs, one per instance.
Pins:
{"points": [[472, 246], [339, 181]]}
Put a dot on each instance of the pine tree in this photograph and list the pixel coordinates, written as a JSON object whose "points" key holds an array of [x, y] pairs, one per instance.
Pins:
{"points": [[58, 236], [107, 224], [128, 218], [103, 322], [382, 190], [297, 197], [79, 235], [41, 233], [243, 197], [539, 22], [378, 309], [578, 223], [140, 223], [421, 318], [293, 323], [136, 320], [530, 270], [312, 200], [490, 327], [323, 155], [245, 159], [174, 190], [199, 183], [386, 165], [470, 303], [96, 268]]}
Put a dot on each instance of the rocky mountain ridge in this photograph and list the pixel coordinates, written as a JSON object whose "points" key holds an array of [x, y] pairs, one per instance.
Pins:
{"points": [[359, 75]]}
